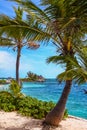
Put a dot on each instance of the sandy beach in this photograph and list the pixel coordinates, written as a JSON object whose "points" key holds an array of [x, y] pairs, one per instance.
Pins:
{"points": [[14, 121]]}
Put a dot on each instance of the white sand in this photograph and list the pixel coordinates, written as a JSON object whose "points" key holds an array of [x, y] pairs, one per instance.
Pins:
{"points": [[13, 121]]}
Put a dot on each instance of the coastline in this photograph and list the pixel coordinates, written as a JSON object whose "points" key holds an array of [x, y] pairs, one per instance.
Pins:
{"points": [[14, 121], [78, 118], [84, 114]]}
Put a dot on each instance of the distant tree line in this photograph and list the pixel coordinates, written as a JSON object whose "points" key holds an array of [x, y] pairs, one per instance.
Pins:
{"points": [[33, 77]]}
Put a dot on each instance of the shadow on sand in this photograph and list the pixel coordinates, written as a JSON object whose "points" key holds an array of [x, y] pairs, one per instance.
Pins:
{"points": [[33, 125]]}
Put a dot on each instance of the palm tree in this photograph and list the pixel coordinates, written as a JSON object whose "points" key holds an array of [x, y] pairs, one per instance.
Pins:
{"points": [[15, 37], [78, 73], [65, 23], [79, 63], [70, 34]]}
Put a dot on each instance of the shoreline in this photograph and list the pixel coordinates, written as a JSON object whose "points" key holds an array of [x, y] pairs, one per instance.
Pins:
{"points": [[70, 116], [73, 116], [78, 118], [14, 121]]}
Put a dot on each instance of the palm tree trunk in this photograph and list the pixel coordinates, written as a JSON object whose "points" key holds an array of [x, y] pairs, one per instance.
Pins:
{"points": [[17, 64], [55, 116]]}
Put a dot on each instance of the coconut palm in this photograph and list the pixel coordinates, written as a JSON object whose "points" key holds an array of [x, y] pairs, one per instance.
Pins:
{"points": [[61, 20], [70, 34], [65, 22], [15, 37], [77, 73], [79, 63]]}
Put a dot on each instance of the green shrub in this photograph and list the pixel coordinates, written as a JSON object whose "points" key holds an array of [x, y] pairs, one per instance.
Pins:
{"points": [[26, 106], [15, 89], [33, 107], [6, 101]]}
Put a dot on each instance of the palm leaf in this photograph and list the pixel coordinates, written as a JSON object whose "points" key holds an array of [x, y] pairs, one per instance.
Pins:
{"points": [[6, 42]]}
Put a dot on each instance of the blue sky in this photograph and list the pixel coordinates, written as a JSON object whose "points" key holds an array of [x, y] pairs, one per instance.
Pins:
{"points": [[31, 60]]}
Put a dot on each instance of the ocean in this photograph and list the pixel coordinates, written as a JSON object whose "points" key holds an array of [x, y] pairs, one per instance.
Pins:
{"points": [[50, 90]]}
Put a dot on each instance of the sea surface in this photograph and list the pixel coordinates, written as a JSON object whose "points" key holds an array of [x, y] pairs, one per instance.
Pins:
{"points": [[51, 89]]}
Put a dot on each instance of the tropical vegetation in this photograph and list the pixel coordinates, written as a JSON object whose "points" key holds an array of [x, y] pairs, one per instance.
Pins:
{"points": [[26, 106], [63, 22], [32, 77], [13, 99], [14, 36]]}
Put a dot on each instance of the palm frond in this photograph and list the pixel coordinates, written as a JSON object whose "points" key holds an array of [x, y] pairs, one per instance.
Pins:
{"points": [[32, 9], [78, 69], [6, 42], [57, 59]]}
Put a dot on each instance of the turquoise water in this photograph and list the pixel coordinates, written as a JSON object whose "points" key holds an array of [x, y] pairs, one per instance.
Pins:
{"points": [[51, 90]]}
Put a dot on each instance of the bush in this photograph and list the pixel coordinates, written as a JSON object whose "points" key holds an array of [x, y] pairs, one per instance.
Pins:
{"points": [[15, 89], [32, 107], [26, 106], [6, 101]]}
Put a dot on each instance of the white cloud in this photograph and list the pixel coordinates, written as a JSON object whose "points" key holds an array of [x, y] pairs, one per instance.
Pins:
{"points": [[7, 61], [8, 64]]}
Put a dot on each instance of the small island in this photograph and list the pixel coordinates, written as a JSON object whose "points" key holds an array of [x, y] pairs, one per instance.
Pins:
{"points": [[32, 77]]}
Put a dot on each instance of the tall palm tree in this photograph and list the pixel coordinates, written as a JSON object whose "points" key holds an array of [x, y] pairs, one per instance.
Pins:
{"points": [[15, 37], [69, 26], [65, 22]]}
